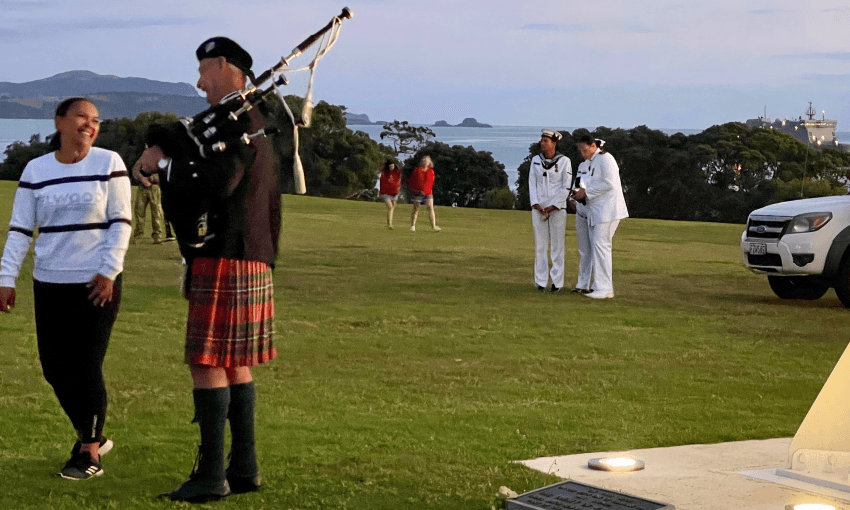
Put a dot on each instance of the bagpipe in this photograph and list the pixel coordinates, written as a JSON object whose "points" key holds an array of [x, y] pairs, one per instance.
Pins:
{"points": [[220, 126]]}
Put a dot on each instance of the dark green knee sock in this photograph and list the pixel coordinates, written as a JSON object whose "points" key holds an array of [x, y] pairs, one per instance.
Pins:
{"points": [[211, 414], [243, 456]]}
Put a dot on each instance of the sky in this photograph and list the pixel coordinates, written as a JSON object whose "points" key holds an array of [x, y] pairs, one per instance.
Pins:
{"points": [[663, 64]]}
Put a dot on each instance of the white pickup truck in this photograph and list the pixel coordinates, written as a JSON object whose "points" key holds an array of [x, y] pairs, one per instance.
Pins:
{"points": [[802, 247]]}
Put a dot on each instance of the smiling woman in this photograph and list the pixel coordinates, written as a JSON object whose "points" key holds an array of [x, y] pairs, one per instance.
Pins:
{"points": [[78, 200]]}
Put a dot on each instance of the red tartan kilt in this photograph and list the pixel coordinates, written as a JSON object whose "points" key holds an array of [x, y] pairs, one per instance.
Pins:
{"points": [[231, 314]]}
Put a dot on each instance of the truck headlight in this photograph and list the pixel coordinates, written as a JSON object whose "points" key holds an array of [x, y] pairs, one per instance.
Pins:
{"points": [[809, 222]]}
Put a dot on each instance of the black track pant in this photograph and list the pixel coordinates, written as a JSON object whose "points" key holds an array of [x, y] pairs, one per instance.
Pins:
{"points": [[72, 339]]}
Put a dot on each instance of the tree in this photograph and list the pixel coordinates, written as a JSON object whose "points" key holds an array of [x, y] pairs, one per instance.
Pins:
{"points": [[499, 198], [463, 177], [406, 138], [18, 154], [337, 161]]}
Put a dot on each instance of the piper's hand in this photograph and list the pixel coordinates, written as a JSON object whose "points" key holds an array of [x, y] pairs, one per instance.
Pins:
{"points": [[578, 194], [101, 290], [7, 299], [549, 210], [148, 163]]}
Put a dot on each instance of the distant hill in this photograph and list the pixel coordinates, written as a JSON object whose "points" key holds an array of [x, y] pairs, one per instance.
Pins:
{"points": [[115, 97], [80, 83]]}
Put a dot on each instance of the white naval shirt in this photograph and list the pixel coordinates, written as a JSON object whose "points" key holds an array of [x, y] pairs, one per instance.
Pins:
{"points": [[549, 187], [600, 178]]}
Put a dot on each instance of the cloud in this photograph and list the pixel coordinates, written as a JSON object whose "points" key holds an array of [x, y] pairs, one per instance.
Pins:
{"points": [[767, 12], [130, 23], [21, 6], [556, 27], [828, 55], [636, 28], [51, 28]]}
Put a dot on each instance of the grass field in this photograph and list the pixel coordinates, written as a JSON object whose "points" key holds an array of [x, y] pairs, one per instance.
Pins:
{"points": [[415, 367]]}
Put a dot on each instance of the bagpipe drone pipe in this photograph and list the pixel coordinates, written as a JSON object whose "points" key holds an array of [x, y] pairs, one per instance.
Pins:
{"points": [[218, 137], [222, 125]]}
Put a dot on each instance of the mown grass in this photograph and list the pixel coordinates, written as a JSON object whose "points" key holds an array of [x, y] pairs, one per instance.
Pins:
{"points": [[415, 367]]}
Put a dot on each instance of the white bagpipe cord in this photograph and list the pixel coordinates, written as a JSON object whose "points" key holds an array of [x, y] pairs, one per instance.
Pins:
{"points": [[307, 110], [297, 168]]}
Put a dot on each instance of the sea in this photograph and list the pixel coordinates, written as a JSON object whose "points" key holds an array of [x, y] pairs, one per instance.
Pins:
{"points": [[508, 144]]}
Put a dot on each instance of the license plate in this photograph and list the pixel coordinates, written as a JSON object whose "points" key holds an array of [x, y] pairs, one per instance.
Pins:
{"points": [[758, 249]]}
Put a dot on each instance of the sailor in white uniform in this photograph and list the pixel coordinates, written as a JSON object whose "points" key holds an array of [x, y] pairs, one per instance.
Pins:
{"points": [[549, 180], [604, 206]]}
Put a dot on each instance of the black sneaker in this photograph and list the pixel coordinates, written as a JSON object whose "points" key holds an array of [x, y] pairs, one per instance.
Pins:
{"points": [[81, 467], [554, 289], [243, 484], [541, 288], [105, 447]]}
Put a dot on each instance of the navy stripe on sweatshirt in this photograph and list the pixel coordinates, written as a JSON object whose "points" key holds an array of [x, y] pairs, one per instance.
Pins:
{"points": [[28, 233], [66, 180], [82, 226]]}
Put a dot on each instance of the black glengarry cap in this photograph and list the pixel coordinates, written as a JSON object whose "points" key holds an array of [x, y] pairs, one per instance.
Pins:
{"points": [[227, 48]]}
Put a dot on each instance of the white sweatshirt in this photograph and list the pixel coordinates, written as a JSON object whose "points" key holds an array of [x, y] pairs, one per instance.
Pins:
{"points": [[82, 214]]}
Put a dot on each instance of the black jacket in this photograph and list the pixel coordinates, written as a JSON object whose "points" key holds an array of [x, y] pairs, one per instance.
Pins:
{"points": [[239, 188]]}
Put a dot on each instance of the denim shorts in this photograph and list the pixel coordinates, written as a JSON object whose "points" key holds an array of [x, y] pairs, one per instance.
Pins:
{"points": [[421, 199], [389, 197]]}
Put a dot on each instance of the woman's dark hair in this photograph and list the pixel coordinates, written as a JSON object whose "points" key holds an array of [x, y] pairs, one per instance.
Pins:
{"points": [[589, 140], [61, 111]]}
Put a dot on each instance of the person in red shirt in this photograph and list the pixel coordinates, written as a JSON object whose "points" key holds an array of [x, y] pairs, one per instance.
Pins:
{"points": [[421, 185], [390, 184]]}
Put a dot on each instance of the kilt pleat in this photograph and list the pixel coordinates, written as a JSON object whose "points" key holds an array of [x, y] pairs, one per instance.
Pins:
{"points": [[231, 313]]}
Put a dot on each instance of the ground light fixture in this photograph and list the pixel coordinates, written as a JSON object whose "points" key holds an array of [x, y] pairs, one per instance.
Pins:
{"points": [[811, 506], [617, 464]]}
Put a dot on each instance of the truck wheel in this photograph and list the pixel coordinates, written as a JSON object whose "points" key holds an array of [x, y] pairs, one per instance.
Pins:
{"points": [[842, 283], [799, 287]]}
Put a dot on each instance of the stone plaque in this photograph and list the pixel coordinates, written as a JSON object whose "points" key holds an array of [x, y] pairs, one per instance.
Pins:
{"points": [[572, 495]]}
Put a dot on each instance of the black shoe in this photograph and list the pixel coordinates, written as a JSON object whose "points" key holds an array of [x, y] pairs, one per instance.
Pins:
{"points": [[243, 484], [196, 490], [541, 288], [81, 467], [554, 289], [578, 291]]}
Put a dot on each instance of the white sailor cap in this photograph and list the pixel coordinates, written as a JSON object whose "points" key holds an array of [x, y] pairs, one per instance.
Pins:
{"points": [[551, 133]]}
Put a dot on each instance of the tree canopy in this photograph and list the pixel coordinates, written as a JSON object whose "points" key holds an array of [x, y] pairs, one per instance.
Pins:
{"points": [[336, 161], [406, 138], [463, 176], [720, 174]]}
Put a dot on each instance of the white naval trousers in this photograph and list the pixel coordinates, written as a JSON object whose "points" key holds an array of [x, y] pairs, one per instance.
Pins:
{"points": [[585, 258], [601, 236], [549, 240]]}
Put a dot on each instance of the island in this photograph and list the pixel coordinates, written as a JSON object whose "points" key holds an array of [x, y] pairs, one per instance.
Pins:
{"points": [[467, 122], [361, 119]]}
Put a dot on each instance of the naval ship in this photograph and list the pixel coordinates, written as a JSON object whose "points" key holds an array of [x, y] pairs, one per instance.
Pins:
{"points": [[818, 133]]}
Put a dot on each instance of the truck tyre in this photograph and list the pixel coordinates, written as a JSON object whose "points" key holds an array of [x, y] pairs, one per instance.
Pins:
{"points": [[842, 283], [799, 287]]}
